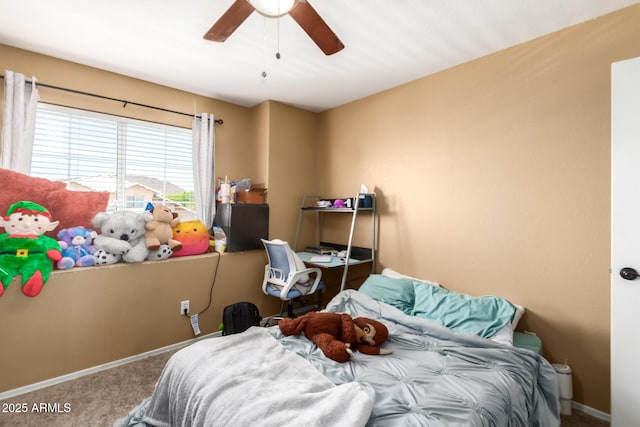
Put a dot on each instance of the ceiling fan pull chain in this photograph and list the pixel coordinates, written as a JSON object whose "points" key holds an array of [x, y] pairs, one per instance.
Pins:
{"points": [[278, 41], [264, 47]]}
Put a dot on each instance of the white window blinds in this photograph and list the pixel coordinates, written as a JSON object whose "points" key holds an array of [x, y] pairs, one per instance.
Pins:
{"points": [[136, 162]]}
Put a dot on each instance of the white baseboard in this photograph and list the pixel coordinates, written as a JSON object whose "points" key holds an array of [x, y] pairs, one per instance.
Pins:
{"points": [[73, 375], [590, 411]]}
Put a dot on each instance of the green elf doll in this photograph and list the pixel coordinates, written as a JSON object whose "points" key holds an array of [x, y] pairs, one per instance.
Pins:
{"points": [[24, 249]]}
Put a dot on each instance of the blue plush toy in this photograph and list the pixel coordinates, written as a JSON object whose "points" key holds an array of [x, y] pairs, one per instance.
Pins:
{"points": [[77, 248]]}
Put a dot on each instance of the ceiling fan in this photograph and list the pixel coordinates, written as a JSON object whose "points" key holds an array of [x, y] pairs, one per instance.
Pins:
{"points": [[300, 10]]}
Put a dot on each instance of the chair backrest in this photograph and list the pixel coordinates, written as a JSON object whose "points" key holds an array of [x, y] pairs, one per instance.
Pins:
{"points": [[280, 256]]}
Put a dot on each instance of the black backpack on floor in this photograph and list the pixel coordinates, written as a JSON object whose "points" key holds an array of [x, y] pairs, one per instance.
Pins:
{"points": [[239, 317]]}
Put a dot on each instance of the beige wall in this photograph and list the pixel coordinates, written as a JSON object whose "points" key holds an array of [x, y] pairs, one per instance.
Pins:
{"points": [[493, 177], [89, 316], [293, 168]]}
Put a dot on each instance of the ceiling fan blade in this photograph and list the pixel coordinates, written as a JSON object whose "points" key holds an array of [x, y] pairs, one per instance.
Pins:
{"points": [[309, 20], [229, 21]]}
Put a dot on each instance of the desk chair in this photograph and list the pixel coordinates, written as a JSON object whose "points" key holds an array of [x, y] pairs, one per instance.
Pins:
{"points": [[286, 277]]}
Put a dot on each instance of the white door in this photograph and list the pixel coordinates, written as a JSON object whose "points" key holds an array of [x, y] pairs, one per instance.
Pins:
{"points": [[625, 243]]}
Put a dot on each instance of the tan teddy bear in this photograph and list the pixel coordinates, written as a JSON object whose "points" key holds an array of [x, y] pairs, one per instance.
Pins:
{"points": [[159, 229]]}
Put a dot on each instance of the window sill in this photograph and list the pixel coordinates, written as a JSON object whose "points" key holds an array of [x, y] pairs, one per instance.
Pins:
{"points": [[127, 265]]}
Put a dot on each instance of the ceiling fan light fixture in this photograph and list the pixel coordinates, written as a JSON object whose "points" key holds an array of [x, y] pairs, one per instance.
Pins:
{"points": [[273, 8]]}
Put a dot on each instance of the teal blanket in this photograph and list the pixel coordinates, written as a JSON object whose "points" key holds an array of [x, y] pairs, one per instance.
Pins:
{"points": [[478, 315]]}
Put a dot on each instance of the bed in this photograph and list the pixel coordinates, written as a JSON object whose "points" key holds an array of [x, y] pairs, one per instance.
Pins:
{"points": [[439, 374]]}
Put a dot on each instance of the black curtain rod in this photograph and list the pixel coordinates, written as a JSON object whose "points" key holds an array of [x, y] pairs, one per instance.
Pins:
{"points": [[123, 101]]}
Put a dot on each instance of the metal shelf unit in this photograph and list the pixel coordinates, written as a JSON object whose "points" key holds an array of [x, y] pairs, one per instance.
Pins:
{"points": [[354, 254]]}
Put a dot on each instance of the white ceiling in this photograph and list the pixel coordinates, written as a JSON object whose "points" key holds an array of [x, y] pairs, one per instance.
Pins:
{"points": [[388, 42]]}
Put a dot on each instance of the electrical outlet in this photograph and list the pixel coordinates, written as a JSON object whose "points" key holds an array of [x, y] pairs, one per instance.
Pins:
{"points": [[184, 307]]}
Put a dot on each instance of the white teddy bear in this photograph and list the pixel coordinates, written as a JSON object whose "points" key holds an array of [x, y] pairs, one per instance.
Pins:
{"points": [[122, 238]]}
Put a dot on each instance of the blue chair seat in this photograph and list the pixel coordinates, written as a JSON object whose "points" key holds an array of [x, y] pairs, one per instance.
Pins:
{"points": [[292, 294]]}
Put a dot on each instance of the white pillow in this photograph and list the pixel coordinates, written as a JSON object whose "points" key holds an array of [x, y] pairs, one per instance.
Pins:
{"points": [[300, 265], [505, 335], [395, 275], [518, 315]]}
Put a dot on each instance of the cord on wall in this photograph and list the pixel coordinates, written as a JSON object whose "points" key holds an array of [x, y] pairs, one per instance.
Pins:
{"points": [[185, 312]]}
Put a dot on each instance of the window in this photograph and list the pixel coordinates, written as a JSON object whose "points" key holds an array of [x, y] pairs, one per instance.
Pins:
{"points": [[137, 162], [135, 202]]}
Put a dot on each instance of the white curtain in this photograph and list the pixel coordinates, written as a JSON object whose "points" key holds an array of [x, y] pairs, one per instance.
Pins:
{"points": [[18, 122], [203, 128]]}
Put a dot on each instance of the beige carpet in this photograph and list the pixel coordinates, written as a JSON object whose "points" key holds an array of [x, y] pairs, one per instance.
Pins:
{"points": [[93, 400], [100, 399]]}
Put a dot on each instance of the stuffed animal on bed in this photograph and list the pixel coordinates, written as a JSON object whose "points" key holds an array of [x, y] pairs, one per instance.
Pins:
{"points": [[121, 238], [338, 334], [77, 247], [24, 249]]}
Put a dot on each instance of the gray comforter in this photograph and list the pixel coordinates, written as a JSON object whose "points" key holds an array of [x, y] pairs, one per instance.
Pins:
{"points": [[436, 377], [249, 379]]}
